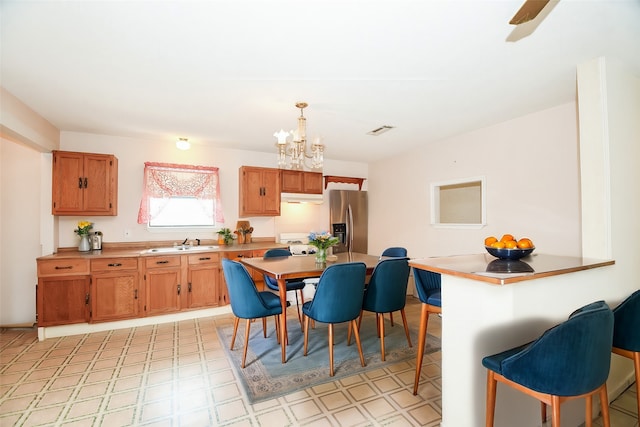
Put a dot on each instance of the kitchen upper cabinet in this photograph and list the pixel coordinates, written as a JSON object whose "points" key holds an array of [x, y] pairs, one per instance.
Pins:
{"points": [[163, 284], [301, 182], [202, 280], [259, 191], [84, 184], [62, 295], [114, 289]]}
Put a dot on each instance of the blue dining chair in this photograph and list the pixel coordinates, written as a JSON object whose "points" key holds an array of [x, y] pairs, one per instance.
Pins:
{"points": [[626, 335], [338, 299], [569, 361], [295, 285], [247, 302], [395, 252], [428, 286], [386, 293]]}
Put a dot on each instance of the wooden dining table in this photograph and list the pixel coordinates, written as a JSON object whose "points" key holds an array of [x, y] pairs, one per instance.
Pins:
{"points": [[299, 267]]}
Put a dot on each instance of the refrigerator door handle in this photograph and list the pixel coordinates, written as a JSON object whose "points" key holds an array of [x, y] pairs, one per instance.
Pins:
{"points": [[349, 229]]}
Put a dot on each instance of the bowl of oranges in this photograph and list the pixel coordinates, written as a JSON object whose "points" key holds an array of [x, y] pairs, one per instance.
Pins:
{"points": [[508, 247]]}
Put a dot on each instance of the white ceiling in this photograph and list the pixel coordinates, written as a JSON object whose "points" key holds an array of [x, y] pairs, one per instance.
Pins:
{"points": [[228, 73]]}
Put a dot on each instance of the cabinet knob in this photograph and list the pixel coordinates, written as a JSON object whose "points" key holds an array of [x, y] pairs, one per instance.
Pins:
{"points": [[179, 289]]}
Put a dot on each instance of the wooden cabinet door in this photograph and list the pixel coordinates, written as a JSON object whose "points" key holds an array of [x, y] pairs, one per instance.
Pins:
{"points": [[68, 184], [202, 280], [98, 170], [163, 284], [114, 296], [62, 300], [259, 191], [203, 286], [291, 181], [312, 183], [163, 291]]}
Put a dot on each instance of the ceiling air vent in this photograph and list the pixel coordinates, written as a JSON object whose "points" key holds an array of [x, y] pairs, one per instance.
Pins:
{"points": [[380, 130]]}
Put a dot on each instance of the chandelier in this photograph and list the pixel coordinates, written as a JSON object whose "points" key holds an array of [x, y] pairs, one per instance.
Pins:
{"points": [[295, 151]]}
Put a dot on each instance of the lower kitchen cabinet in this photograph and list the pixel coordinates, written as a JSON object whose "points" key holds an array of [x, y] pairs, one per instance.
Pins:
{"points": [[62, 300], [257, 277], [114, 289], [162, 285], [62, 295], [203, 280]]}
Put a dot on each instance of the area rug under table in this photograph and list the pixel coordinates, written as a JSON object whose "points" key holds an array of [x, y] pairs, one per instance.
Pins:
{"points": [[266, 377]]}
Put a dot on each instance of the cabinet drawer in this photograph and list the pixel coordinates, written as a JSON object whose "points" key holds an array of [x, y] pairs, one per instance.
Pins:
{"points": [[113, 264], [162, 261], [238, 254], [67, 266], [204, 258]]}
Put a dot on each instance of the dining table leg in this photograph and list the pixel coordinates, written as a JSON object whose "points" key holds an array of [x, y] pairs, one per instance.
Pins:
{"points": [[282, 290]]}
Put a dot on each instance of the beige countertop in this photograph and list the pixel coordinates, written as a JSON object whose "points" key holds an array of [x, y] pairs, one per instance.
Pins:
{"points": [[136, 249], [486, 268]]}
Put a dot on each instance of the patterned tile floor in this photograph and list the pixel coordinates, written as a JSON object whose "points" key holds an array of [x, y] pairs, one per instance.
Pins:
{"points": [[176, 374]]}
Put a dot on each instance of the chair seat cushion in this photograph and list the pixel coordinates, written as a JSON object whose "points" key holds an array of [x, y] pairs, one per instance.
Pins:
{"points": [[272, 301], [434, 298], [291, 286], [494, 362]]}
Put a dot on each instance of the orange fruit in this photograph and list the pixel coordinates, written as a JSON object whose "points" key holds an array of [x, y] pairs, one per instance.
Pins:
{"points": [[525, 243], [489, 240], [506, 237], [510, 244], [498, 245]]}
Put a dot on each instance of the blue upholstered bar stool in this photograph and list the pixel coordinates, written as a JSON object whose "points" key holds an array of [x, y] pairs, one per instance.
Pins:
{"points": [[395, 252], [428, 286], [247, 302], [569, 361], [338, 299], [626, 335]]}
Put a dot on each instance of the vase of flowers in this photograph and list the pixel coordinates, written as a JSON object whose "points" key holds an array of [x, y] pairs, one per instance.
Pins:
{"points": [[322, 242], [83, 231]]}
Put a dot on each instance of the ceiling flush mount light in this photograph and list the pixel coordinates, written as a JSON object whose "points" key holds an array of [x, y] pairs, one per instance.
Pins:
{"points": [[183, 144], [293, 154]]}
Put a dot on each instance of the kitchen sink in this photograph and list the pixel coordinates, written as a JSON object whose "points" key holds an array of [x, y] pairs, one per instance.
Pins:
{"points": [[179, 249]]}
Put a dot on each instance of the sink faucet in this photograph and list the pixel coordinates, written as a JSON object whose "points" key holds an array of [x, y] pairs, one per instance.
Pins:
{"points": [[198, 240], [185, 241]]}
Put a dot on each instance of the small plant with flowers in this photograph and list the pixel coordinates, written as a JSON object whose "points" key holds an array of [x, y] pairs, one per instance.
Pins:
{"points": [[83, 228], [322, 240]]}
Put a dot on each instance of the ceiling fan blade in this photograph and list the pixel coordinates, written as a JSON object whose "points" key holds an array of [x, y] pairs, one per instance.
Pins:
{"points": [[528, 11]]}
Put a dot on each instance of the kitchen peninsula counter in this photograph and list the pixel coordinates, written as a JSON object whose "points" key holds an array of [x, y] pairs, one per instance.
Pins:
{"points": [[486, 268], [490, 306]]}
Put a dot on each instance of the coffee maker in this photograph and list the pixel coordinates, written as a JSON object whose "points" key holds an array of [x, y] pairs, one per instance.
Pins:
{"points": [[96, 241]]}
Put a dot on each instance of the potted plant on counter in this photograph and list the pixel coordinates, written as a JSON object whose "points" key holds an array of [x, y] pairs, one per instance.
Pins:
{"points": [[225, 237]]}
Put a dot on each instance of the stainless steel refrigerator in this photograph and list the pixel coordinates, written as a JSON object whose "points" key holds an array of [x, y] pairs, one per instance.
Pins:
{"points": [[348, 212]]}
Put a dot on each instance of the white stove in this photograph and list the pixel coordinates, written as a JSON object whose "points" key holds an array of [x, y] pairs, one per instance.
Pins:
{"points": [[298, 243]]}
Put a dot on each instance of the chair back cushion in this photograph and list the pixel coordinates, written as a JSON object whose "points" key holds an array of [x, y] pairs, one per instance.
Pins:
{"points": [[245, 300], [387, 289], [626, 329], [338, 296], [428, 286], [395, 252], [569, 359], [274, 253]]}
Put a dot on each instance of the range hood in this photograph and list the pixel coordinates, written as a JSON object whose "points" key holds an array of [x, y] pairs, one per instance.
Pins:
{"points": [[301, 198]]}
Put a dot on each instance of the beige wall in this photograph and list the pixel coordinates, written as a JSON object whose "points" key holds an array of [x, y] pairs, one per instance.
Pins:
{"points": [[532, 181]]}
